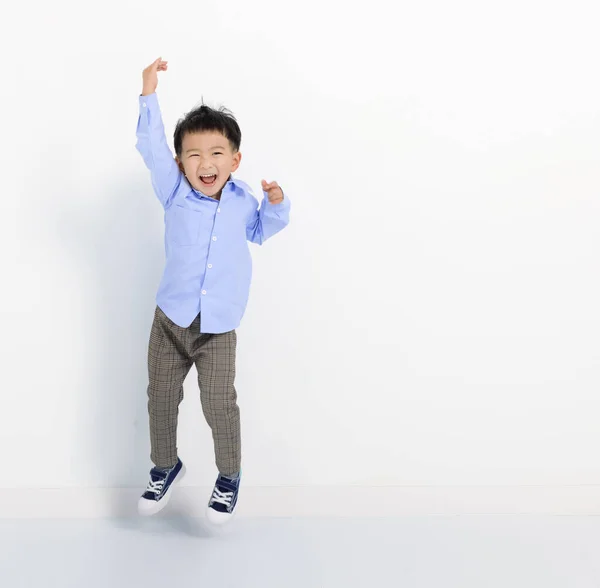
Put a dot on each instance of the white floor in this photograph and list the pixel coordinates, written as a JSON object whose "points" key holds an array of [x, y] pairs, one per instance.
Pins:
{"points": [[437, 551]]}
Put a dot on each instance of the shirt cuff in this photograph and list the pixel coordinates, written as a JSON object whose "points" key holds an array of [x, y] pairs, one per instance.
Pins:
{"points": [[148, 101]]}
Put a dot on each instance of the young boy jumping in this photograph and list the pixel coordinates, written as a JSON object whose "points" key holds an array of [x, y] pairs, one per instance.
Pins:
{"points": [[209, 218]]}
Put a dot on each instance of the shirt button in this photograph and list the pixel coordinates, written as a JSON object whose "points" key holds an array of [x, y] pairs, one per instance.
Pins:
{"points": [[144, 104], [218, 210], [203, 292], [209, 265], [214, 238]]}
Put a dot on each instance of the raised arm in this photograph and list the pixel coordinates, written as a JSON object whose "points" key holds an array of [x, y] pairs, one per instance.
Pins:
{"points": [[273, 215], [151, 139]]}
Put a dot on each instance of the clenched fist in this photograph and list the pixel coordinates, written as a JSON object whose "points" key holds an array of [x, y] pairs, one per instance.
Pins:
{"points": [[150, 76], [274, 192]]}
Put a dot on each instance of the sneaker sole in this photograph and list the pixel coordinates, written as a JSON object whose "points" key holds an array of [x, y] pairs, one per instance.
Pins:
{"points": [[219, 521], [156, 507]]}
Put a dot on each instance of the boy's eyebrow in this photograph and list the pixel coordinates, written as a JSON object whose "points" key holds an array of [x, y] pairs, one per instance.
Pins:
{"points": [[214, 147]]}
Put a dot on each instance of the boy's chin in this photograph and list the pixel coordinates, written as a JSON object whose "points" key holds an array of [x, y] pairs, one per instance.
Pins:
{"points": [[210, 190]]}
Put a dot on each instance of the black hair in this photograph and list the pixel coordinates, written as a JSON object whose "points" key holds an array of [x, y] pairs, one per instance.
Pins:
{"points": [[204, 118]]}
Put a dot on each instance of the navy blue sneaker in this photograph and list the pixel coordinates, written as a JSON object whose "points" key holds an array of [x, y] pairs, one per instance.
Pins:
{"points": [[159, 489], [221, 506]]}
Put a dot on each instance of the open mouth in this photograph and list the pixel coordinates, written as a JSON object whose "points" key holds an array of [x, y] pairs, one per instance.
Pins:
{"points": [[208, 179]]}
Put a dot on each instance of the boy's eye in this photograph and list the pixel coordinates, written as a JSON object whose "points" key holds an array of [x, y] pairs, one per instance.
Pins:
{"points": [[217, 153]]}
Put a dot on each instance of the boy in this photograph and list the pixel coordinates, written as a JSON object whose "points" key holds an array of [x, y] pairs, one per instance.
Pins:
{"points": [[209, 218]]}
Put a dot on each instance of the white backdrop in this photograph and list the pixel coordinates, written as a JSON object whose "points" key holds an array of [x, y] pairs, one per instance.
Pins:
{"points": [[431, 314]]}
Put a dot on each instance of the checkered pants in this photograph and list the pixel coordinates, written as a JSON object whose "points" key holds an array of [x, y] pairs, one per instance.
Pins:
{"points": [[171, 353]]}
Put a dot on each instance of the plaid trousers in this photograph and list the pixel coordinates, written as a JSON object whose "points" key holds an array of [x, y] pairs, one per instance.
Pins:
{"points": [[171, 353]]}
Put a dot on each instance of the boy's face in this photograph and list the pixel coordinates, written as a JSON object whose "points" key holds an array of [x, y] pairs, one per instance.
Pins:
{"points": [[207, 160]]}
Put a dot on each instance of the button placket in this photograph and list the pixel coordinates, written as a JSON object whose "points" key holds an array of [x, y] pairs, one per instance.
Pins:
{"points": [[210, 265]]}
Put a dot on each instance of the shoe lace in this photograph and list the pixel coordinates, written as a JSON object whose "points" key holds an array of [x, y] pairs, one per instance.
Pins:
{"points": [[156, 486], [222, 497]]}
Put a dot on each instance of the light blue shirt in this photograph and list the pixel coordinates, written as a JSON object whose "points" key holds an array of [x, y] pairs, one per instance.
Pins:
{"points": [[208, 265]]}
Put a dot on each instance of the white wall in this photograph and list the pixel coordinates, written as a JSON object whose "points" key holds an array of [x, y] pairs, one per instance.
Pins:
{"points": [[429, 317]]}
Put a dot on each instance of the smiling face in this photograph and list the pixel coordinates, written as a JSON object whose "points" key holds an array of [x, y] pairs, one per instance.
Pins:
{"points": [[207, 160]]}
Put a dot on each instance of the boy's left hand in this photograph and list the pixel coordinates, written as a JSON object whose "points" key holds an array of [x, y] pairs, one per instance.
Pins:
{"points": [[274, 192]]}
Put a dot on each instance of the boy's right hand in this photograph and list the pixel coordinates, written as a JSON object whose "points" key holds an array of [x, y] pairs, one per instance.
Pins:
{"points": [[150, 76]]}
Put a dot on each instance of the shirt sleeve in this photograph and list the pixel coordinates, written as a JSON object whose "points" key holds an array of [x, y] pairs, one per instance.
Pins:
{"points": [[268, 220], [152, 145]]}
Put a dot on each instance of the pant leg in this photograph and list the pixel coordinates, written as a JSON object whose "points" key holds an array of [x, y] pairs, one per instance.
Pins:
{"points": [[215, 362], [168, 364]]}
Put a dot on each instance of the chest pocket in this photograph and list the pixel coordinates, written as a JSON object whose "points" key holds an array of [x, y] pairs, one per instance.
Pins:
{"points": [[183, 225]]}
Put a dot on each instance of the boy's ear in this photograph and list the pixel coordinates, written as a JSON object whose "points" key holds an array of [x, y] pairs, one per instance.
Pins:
{"points": [[179, 164], [236, 160]]}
